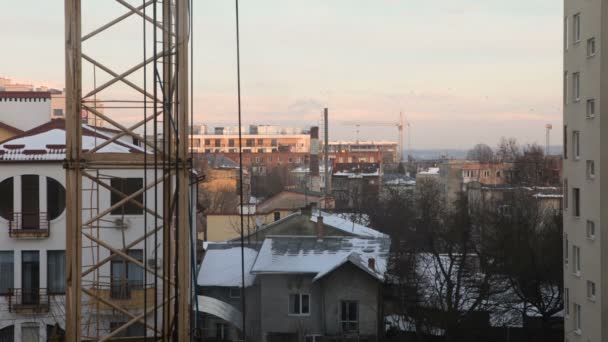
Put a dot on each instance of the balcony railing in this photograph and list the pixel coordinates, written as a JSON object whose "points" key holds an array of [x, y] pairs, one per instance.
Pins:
{"points": [[28, 300], [28, 225]]}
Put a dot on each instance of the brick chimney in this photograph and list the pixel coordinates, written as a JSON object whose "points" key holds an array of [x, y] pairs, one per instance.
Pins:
{"points": [[371, 263], [320, 227]]}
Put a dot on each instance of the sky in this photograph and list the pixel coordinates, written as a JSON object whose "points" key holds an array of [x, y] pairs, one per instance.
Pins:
{"points": [[461, 71]]}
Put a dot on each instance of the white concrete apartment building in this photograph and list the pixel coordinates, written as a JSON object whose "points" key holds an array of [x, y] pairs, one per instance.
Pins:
{"points": [[33, 238], [585, 151]]}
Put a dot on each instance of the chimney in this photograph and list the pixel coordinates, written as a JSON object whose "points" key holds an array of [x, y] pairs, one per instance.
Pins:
{"points": [[320, 227], [314, 151], [371, 263]]}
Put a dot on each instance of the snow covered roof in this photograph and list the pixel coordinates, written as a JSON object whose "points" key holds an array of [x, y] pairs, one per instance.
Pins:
{"points": [[346, 225], [431, 171], [47, 143], [221, 266], [319, 257]]}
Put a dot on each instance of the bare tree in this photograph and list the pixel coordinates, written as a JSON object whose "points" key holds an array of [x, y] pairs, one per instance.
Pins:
{"points": [[526, 239], [508, 150], [482, 153]]}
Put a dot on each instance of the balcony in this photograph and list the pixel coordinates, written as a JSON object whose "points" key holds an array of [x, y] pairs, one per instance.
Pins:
{"points": [[28, 300], [28, 225]]}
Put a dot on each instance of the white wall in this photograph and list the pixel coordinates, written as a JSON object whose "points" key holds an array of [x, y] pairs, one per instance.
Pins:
{"points": [[25, 115]]}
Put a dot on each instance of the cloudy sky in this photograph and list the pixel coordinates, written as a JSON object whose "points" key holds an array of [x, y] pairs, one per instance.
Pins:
{"points": [[462, 71]]}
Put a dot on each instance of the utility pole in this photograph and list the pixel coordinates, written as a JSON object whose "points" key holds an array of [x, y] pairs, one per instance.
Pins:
{"points": [[326, 152]]}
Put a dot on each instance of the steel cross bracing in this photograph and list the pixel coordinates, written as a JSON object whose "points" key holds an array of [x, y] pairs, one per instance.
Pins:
{"points": [[163, 97]]}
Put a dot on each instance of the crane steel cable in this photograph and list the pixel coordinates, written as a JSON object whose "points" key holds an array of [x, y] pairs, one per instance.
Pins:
{"points": [[238, 77]]}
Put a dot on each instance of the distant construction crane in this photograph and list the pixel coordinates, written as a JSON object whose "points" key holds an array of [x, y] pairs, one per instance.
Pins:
{"points": [[400, 125]]}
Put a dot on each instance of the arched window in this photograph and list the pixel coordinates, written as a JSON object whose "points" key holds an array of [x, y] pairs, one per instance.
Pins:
{"points": [[6, 198], [55, 198]]}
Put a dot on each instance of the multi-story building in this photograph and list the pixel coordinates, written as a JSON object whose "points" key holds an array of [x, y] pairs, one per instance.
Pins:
{"points": [[33, 238], [363, 151], [585, 210], [257, 139]]}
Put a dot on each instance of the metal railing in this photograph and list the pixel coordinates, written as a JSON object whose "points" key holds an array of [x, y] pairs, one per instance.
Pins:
{"points": [[28, 224], [33, 300]]}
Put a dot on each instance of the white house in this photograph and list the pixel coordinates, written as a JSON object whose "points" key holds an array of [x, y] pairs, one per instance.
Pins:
{"points": [[33, 238]]}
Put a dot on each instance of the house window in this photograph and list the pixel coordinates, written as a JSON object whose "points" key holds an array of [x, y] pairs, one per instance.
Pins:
{"points": [[576, 86], [349, 315], [576, 201], [58, 112], [218, 143], [207, 142], [576, 27], [250, 142], [56, 272], [125, 275], [30, 332], [567, 301], [590, 47], [565, 141], [221, 332], [590, 290], [590, 229], [6, 200], [7, 271], [277, 215], [590, 169], [299, 304], [577, 319], [234, 292], [127, 186], [576, 260], [231, 143], [590, 108], [260, 142], [576, 145]]}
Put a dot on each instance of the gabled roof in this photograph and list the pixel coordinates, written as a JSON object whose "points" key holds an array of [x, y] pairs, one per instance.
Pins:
{"points": [[287, 200], [47, 143], [346, 225], [320, 257]]}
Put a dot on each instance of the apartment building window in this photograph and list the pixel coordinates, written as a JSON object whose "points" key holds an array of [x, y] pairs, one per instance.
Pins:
{"points": [[565, 142], [577, 319], [299, 304], [576, 260], [566, 248], [218, 143], [590, 229], [260, 142], [58, 112], [567, 301], [566, 192], [576, 144], [590, 169], [566, 31], [231, 143], [590, 290], [273, 142], [6, 200], [207, 142], [196, 142], [249, 142], [576, 28], [56, 272], [127, 186], [125, 275], [349, 315], [590, 108], [576, 202], [576, 86], [7, 270], [591, 47], [565, 89]]}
